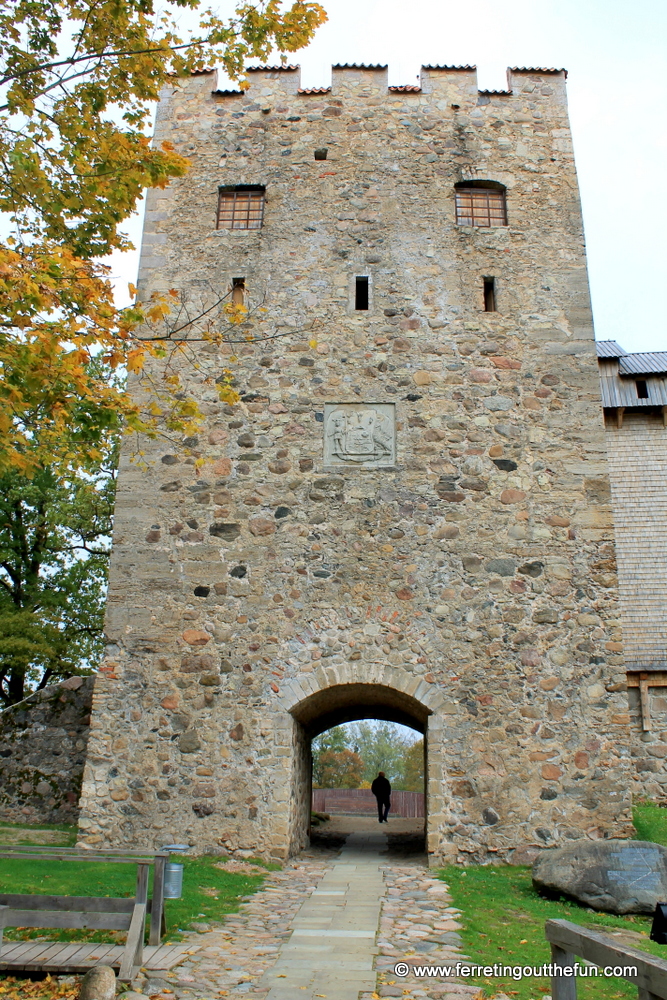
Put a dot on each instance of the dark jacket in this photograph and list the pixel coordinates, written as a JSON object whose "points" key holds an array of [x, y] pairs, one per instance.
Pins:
{"points": [[381, 789]]}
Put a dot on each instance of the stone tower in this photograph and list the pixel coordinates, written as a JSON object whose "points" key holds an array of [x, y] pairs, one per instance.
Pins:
{"points": [[404, 517]]}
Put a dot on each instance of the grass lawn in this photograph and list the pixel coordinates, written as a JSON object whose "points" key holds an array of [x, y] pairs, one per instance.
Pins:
{"points": [[51, 834], [208, 892], [503, 921], [650, 823]]}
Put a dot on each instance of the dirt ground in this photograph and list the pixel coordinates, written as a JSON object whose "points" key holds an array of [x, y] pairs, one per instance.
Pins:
{"points": [[405, 837], [369, 824]]}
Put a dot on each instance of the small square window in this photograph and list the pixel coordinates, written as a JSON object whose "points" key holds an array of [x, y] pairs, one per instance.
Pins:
{"points": [[240, 207], [480, 206]]}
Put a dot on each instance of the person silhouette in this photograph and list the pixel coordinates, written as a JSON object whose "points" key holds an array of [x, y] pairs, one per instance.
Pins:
{"points": [[381, 789]]}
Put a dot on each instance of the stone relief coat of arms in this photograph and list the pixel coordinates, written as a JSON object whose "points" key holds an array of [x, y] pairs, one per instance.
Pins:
{"points": [[359, 434]]}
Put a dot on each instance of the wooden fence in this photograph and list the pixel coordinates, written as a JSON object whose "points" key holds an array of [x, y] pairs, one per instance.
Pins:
{"points": [[361, 801], [569, 941]]}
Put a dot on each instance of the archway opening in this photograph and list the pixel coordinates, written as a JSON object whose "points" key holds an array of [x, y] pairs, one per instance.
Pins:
{"points": [[366, 725]]}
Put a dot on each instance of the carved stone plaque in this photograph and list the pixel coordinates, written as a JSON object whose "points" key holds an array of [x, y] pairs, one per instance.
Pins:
{"points": [[360, 434]]}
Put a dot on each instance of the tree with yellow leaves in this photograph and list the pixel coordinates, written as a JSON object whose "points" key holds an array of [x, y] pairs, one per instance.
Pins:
{"points": [[78, 79]]}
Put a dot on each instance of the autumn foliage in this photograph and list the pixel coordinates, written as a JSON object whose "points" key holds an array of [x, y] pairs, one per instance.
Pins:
{"points": [[49, 988], [340, 769], [78, 80]]}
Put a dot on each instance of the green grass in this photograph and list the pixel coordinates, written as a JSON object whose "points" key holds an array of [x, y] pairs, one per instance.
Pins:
{"points": [[650, 823], [503, 921], [49, 834], [208, 892], [69, 828]]}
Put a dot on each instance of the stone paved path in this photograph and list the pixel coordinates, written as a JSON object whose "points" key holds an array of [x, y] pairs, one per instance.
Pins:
{"points": [[329, 925]]}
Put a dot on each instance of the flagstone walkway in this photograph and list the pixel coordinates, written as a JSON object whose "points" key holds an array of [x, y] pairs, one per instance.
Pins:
{"points": [[329, 925]]}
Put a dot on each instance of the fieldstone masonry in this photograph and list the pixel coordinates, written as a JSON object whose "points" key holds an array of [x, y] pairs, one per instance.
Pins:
{"points": [[43, 743], [406, 516]]}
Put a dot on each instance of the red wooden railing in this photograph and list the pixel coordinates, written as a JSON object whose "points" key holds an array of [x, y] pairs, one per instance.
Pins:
{"points": [[362, 802]]}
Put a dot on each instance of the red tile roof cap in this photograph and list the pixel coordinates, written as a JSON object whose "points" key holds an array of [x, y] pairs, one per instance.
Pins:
{"points": [[466, 69], [193, 72], [406, 89], [315, 90], [536, 69], [272, 69], [358, 66]]}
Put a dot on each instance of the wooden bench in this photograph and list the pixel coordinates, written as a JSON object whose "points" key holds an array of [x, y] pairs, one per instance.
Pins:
{"points": [[649, 974], [87, 912]]}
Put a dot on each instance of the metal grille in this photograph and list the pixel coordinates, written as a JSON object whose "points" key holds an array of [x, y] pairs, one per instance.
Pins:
{"points": [[240, 208], [478, 206]]}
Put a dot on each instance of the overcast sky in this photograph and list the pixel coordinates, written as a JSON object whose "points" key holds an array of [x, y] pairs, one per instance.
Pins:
{"points": [[615, 52]]}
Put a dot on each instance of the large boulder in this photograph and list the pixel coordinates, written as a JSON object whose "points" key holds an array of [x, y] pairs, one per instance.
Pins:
{"points": [[98, 983], [616, 876]]}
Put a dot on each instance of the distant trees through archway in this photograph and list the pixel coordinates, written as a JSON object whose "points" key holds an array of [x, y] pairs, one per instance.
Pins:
{"points": [[352, 755]]}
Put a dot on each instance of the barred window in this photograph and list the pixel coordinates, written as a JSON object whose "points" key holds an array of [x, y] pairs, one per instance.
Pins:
{"points": [[480, 205], [240, 207]]}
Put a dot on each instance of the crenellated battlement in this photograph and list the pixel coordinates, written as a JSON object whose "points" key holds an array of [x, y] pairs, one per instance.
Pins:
{"points": [[457, 84]]}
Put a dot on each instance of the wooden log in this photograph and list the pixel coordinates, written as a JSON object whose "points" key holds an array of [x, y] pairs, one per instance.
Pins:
{"points": [[133, 952], [72, 919], [157, 927], [87, 904], [47, 951], [72, 854], [563, 987], [86, 912], [131, 853], [141, 892], [650, 973]]}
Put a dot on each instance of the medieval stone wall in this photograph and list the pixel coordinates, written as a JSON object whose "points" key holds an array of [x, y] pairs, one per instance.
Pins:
{"points": [[266, 578], [43, 743]]}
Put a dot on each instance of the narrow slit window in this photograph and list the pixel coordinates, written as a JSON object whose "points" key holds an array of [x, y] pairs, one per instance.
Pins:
{"points": [[489, 295], [240, 207], [321, 154], [361, 293], [642, 388], [238, 291], [478, 205]]}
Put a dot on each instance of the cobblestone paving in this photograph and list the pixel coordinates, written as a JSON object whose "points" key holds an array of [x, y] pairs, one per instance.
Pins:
{"points": [[418, 926], [263, 952]]}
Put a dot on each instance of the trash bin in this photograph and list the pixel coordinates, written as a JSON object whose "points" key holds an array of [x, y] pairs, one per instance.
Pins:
{"points": [[173, 872]]}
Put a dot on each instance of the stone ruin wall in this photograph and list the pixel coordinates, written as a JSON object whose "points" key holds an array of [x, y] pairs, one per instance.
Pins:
{"points": [[469, 587], [43, 743]]}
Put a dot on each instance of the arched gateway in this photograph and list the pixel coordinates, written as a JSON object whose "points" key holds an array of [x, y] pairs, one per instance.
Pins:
{"points": [[391, 694], [405, 515]]}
